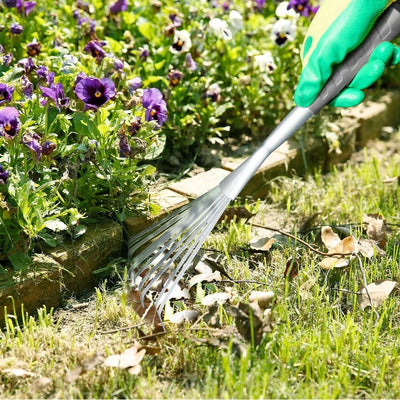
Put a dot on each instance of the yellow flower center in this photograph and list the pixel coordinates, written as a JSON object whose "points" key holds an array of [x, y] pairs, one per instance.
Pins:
{"points": [[153, 112], [7, 126], [180, 42], [282, 35], [1, 96], [97, 94], [174, 81]]}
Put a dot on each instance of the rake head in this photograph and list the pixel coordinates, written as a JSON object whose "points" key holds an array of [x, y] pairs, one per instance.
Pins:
{"points": [[173, 243]]}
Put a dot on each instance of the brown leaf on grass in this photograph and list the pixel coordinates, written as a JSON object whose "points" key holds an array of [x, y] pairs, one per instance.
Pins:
{"points": [[216, 298], [129, 359], [376, 293], [263, 244], [376, 228], [236, 213], [263, 298], [328, 237], [184, 316], [369, 248], [18, 372], [85, 365], [148, 311], [333, 262], [292, 268], [346, 246], [205, 277], [251, 321], [41, 384], [224, 338]]}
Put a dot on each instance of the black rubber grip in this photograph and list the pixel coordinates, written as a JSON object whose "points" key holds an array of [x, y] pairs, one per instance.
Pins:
{"points": [[385, 29]]}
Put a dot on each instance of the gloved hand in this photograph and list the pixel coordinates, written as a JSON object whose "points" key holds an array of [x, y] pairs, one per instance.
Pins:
{"points": [[338, 28]]}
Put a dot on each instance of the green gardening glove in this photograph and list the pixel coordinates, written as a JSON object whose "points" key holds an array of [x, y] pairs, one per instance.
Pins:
{"points": [[339, 27]]}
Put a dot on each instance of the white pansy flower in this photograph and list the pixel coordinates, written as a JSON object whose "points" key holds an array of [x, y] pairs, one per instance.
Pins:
{"points": [[220, 29], [182, 42], [283, 31], [235, 21], [283, 12], [265, 62]]}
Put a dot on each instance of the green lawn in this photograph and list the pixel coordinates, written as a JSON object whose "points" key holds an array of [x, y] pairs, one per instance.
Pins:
{"points": [[322, 344]]}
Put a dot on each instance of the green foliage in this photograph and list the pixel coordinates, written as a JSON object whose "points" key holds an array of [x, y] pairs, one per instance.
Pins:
{"points": [[88, 173]]}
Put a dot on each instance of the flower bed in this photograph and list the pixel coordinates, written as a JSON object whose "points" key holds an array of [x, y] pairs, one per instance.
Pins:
{"points": [[90, 93]]}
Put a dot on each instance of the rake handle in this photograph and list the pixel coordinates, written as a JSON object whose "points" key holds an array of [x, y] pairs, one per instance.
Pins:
{"points": [[386, 28]]}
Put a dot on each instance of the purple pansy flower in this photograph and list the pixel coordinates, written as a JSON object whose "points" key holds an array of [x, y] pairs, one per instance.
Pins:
{"points": [[3, 175], [190, 63], [259, 4], [144, 52], [48, 147], [135, 126], [31, 140], [124, 148], [9, 122], [25, 7], [43, 73], [27, 64], [16, 29], [156, 107], [118, 6], [95, 48], [6, 93], [174, 77], [302, 7], [33, 48], [118, 64], [134, 84], [7, 59], [177, 22], [26, 86], [56, 93], [94, 92]]}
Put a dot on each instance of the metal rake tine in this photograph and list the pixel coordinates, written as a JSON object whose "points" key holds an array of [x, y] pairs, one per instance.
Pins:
{"points": [[165, 238], [188, 257], [153, 231], [163, 225], [187, 237], [166, 261]]}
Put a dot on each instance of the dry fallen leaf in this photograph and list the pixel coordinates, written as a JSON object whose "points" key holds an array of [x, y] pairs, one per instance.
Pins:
{"points": [[184, 316], [346, 246], [236, 213], [263, 299], [148, 311], [17, 372], [86, 365], [251, 322], [329, 238], [378, 293], [129, 359], [376, 228], [216, 298], [206, 277], [292, 268], [369, 248], [262, 244]]}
